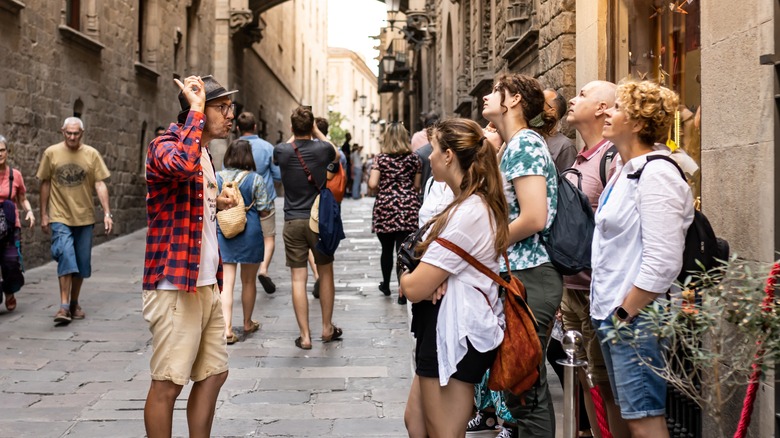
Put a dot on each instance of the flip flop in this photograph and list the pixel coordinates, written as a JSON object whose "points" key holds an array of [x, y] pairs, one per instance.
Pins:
{"points": [[268, 285], [299, 343], [255, 327], [232, 339], [335, 336], [10, 302]]}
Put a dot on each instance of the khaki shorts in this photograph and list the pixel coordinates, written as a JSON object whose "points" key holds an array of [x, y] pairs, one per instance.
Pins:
{"points": [[575, 309], [298, 240], [268, 224], [188, 334]]}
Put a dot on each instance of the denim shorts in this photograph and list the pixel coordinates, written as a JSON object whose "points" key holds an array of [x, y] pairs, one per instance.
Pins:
{"points": [[638, 390], [71, 247]]}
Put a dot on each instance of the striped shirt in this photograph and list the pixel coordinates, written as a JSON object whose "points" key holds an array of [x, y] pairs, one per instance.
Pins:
{"points": [[174, 207]]}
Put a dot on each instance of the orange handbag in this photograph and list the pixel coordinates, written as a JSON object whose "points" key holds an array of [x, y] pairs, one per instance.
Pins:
{"points": [[516, 367]]}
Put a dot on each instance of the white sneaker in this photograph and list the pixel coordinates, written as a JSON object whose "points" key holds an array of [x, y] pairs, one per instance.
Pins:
{"points": [[507, 432]]}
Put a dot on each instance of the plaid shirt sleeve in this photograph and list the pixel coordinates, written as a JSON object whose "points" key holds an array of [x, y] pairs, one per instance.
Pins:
{"points": [[174, 206]]}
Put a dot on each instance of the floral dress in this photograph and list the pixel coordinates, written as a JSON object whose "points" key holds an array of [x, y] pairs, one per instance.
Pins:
{"points": [[397, 204]]}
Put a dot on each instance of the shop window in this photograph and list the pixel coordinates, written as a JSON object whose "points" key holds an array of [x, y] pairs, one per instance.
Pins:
{"points": [[659, 40]]}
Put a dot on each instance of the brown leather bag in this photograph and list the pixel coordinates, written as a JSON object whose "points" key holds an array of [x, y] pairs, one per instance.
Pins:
{"points": [[516, 367]]}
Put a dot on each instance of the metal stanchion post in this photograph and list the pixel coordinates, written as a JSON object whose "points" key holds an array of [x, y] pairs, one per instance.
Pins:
{"points": [[572, 344]]}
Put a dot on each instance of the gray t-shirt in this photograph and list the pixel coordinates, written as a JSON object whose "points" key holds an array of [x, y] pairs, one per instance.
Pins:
{"points": [[299, 194], [563, 151]]}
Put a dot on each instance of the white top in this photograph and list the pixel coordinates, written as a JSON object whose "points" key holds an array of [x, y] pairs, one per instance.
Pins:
{"points": [[438, 196], [640, 233], [209, 249], [464, 312]]}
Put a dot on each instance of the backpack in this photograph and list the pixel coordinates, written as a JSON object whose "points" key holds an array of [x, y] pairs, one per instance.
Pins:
{"points": [[327, 223], [568, 240], [606, 163], [338, 184], [702, 247], [8, 210], [331, 227], [516, 366]]}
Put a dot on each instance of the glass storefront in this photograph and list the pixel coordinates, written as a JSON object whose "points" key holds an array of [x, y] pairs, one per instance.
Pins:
{"points": [[660, 40]]}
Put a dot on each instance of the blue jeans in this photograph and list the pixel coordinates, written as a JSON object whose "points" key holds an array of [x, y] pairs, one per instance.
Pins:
{"points": [[638, 390], [71, 247], [357, 178]]}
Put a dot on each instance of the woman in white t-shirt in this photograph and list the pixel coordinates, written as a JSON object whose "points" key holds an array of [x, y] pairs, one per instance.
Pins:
{"points": [[457, 317]]}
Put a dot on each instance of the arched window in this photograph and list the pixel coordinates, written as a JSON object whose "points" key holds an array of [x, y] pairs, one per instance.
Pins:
{"points": [[78, 108]]}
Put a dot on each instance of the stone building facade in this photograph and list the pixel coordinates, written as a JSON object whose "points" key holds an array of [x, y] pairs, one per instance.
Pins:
{"points": [[109, 62], [349, 78], [276, 54]]}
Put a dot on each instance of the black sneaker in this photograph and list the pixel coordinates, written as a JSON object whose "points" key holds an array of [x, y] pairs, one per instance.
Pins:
{"points": [[482, 421], [384, 288]]}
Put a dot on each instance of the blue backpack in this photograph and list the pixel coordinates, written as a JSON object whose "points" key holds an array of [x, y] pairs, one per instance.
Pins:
{"points": [[331, 227]]}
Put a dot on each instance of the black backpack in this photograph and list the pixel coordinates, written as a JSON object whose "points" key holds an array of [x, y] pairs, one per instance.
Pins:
{"points": [[701, 244], [569, 238], [606, 163], [8, 210]]}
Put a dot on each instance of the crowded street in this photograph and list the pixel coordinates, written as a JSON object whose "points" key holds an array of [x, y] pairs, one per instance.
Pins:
{"points": [[90, 379]]}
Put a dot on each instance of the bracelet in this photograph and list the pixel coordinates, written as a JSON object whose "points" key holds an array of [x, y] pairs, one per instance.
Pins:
{"points": [[110, 215]]}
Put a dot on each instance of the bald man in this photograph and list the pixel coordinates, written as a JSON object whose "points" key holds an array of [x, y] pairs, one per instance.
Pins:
{"points": [[586, 113]]}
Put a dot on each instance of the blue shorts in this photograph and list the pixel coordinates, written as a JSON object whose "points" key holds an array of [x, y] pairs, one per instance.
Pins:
{"points": [[638, 390], [71, 247]]}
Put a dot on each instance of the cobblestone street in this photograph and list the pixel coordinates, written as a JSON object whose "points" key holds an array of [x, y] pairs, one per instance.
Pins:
{"points": [[90, 379]]}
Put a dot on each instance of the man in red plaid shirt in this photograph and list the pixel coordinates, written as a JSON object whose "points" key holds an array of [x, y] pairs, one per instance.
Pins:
{"points": [[182, 267]]}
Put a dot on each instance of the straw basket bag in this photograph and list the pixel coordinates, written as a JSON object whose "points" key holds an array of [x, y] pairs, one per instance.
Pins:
{"points": [[233, 220]]}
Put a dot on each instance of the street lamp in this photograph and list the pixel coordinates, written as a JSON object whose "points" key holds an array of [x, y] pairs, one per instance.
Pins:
{"points": [[393, 6], [363, 103], [388, 62]]}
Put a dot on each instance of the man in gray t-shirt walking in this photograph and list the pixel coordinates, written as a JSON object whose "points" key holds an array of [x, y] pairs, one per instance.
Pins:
{"points": [[305, 166]]}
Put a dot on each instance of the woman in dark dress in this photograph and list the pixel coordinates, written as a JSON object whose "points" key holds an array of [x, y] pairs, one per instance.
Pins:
{"points": [[396, 173]]}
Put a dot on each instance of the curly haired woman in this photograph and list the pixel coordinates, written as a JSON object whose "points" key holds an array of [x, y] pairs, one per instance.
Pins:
{"points": [[637, 249]]}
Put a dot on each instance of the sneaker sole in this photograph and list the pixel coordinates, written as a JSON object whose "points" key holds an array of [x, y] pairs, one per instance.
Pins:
{"points": [[62, 320], [77, 317], [485, 432]]}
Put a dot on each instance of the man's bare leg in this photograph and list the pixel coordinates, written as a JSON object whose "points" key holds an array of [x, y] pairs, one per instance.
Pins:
{"points": [[202, 404], [158, 410], [327, 297], [301, 302]]}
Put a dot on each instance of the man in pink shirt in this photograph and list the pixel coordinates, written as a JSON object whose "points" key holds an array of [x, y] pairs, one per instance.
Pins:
{"points": [[586, 114], [420, 138]]}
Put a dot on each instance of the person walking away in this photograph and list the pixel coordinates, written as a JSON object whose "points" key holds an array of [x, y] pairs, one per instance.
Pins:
{"points": [[12, 190], [457, 316], [637, 249], [67, 172], [396, 176], [346, 151], [182, 266], [357, 170], [515, 107], [304, 163], [242, 248], [262, 153], [561, 147]]}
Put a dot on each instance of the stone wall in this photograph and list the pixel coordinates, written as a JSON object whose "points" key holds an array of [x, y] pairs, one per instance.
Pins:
{"points": [[738, 176], [50, 70]]}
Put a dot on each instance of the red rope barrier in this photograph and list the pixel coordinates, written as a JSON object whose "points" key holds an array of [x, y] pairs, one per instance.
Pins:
{"points": [[601, 412], [750, 395]]}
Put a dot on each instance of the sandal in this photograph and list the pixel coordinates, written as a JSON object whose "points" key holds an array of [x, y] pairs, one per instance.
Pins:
{"points": [[232, 339], [299, 343], [268, 285], [255, 327], [10, 302], [335, 336]]}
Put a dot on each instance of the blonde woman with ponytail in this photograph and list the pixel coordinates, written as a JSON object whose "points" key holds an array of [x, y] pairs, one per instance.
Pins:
{"points": [[457, 316]]}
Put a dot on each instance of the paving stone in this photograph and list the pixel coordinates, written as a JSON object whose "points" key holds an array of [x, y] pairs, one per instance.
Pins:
{"points": [[91, 378]]}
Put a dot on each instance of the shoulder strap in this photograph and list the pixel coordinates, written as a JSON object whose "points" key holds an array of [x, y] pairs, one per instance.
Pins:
{"points": [[606, 163], [10, 183], [309, 176], [573, 171], [636, 175], [474, 262]]}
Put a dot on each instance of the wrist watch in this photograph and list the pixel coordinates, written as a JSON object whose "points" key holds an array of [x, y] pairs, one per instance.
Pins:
{"points": [[110, 215], [623, 315]]}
